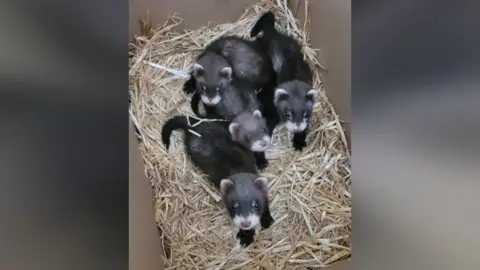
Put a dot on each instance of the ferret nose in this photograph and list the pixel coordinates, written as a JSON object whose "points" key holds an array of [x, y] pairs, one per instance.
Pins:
{"points": [[245, 223]]}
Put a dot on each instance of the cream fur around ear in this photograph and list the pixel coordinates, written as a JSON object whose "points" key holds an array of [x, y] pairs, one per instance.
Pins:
{"points": [[257, 114], [312, 94], [261, 183], [198, 69], [233, 129], [226, 72], [280, 93], [226, 185]]}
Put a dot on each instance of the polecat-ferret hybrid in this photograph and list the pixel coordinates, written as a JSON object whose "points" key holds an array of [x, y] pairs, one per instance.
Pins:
{"points": [[231, 168], [241, 106], [247, 59], [208, 77], [294, 95]]}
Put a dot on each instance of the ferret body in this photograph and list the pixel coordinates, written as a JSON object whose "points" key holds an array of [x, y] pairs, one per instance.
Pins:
{"points": [[293, 99], [247, 59], [243, 59], [235, 98], [225, 80], [247, 125], [250, 62], [230, 166], [284, 51]]}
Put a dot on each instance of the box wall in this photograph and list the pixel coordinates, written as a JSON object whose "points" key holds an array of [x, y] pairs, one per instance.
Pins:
{"points": [[145, 246], [196, 13]]}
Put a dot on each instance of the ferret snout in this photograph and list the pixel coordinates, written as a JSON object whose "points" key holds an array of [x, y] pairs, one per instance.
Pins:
{"points": [[245, 223], [296, 127], [261, 145], [211, 100]]}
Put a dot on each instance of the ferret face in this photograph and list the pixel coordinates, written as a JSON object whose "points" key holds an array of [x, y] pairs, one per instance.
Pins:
{"points": [[250, 130], [294, 103], [210, 94], [245, 197], [210, 83]]}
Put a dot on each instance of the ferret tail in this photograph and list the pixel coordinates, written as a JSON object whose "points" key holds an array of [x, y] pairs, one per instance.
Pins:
{"points": [[174, 123], [266, 23]]}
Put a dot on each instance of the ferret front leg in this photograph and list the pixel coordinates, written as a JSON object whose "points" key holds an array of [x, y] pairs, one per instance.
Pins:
{"points": [[266, 220], [189, 85], [299, 140], [246, 237], [261, 160]]}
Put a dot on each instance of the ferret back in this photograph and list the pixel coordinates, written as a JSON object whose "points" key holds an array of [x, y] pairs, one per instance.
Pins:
{"points": [[216, 154]]}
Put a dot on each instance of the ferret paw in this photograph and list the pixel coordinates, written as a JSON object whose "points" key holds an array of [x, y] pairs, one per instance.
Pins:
{"points": [[262, 164], [299, 145], [260, 160], [189, 86], [245, 237], [266, 221], [246, 241]]}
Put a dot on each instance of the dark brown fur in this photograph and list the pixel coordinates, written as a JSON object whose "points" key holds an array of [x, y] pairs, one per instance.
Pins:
{"points": [[294, 96]]}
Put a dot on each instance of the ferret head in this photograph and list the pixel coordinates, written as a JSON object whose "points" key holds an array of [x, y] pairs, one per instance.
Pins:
{"points": [[294, 101], [245, 196], [250, 130], [211, 73]]}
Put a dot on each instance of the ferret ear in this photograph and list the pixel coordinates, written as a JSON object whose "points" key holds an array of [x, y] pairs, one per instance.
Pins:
{"points": [[226, 186], [262, 184], [280, 94], [226, 73], [257, 114], [312, 95], [234, 129], [198, 70]]}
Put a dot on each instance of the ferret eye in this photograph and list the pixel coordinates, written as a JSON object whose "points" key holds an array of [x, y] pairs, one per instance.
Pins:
{"points": [[204, 88], [218, 89], [255, 204], [288, 114], [305, 114], [234, 205], [248, 137]]}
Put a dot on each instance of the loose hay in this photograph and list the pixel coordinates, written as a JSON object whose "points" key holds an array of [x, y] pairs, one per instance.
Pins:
{"points": [[309, 191]]}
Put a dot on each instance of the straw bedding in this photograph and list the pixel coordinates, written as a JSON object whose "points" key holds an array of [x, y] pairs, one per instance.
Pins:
{"points": [[309, 190]]}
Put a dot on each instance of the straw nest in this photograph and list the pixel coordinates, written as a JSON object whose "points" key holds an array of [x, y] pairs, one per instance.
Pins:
{"points": [[309, 191]]}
